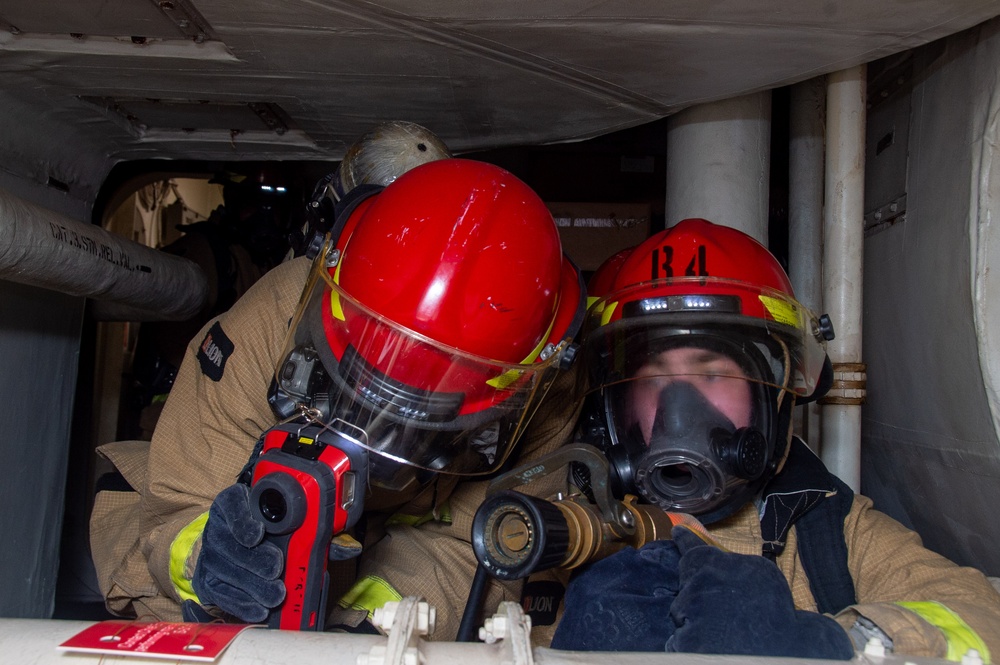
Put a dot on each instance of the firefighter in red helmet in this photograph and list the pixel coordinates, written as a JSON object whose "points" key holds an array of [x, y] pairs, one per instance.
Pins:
{"points": [[710, 304], [697, 351], [432, 322]]}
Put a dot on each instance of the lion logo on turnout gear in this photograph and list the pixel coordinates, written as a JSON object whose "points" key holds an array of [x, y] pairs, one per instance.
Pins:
{"points": [[213, 352]]}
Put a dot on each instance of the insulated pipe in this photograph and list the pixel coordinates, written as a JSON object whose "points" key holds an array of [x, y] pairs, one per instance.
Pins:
{"points": [[805, 195], [843, 227], [42, 248], [407, 624], [718, 163], [805, 214]]}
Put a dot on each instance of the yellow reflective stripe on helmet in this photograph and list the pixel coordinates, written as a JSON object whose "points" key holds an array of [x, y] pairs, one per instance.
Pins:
{"points": [[335, 307], [180, 553], [369, 593], [503, 380], [510, 376], [606, 313], [782, 310], [959, 636]]}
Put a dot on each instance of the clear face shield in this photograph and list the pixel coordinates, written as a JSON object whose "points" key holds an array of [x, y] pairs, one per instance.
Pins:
{"points": [[420, 406], [692, 397]]}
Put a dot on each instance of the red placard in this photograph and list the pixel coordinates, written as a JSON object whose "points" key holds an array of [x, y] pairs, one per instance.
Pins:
{"points": [[161, 639]]}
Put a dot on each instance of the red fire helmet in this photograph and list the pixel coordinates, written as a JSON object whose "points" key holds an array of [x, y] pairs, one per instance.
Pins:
{"points": [[604, 277], [697, 272], [440, 314]]}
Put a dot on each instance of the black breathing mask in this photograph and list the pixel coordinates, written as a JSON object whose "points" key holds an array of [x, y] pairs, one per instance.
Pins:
{"points": [[694, 453], [696, 460]]}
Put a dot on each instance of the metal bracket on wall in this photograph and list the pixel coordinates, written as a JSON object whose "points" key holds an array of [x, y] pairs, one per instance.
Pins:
{"points": [[884, 216], [188, 20], [850, 385]]}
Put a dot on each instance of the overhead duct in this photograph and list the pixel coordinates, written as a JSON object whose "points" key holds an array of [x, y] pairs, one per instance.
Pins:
{"points": [[45, 249]]}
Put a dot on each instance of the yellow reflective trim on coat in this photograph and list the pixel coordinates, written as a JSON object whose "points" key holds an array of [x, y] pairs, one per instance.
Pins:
{"points": [[439, 514], [369, 593], [959, 636], [409, 520], [180, 552]]}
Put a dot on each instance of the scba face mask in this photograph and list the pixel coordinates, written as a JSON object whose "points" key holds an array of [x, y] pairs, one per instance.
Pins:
{"points": [[690, 428], [695, 458]]}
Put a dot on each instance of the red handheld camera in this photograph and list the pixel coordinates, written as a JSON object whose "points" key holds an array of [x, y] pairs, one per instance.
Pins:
{"points": [[307, 486]]}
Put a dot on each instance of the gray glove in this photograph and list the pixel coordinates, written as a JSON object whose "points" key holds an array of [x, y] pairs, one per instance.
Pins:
{"points": [[238, 571]]}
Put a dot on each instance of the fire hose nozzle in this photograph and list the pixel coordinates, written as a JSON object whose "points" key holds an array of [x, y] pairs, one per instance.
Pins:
{"points": [[515, 535]]}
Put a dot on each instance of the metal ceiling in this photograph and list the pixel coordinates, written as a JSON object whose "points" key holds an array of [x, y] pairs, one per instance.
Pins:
{"points": [[86, 84]]}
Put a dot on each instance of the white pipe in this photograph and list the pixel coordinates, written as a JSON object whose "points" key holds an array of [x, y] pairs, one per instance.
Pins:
{"points": [[718, 163], [43, 248], [805, 214], [507, 636], [35, 641], [843, 224]]}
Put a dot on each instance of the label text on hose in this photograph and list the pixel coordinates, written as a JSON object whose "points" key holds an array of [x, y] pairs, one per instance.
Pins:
{"points": [[99, 250]]}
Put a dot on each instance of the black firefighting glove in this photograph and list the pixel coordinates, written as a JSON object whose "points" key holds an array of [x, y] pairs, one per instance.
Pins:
{"points": [[238, 571], [741, 604], [621, 603]]}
